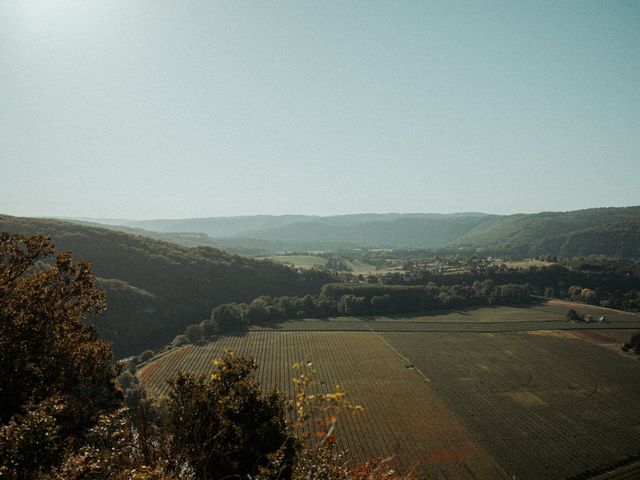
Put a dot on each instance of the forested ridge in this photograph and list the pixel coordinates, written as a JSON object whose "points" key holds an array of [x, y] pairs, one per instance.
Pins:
{"points": [[595, 231], [154, 288]]}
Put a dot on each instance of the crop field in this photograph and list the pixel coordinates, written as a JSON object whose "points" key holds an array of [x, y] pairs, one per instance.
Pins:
{"points": [[561, 307], [357, 266], [538, 403], [402, 416], [300, 261], [544, 404], [524, 264]]}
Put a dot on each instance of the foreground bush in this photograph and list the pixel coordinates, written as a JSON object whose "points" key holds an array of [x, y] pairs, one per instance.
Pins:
{"points": [[224, 425]]}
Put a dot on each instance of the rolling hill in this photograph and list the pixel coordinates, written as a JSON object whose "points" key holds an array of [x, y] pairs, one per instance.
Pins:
{"points": [[155, 288], [598, 231], [300, 232]]}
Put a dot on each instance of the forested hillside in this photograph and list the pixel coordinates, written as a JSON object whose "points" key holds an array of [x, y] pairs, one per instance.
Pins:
{"points": [[612, 239], [154, 288], [597, 231]]}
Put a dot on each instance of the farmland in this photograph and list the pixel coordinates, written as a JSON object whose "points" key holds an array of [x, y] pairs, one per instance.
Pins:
{"points": [[550, 316], [402, 415], [354, 265], [544, 405], [300, 261], [484, 393]]}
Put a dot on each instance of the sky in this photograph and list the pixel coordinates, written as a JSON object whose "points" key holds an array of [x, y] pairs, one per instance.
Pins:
{"points": [[172, 109]]}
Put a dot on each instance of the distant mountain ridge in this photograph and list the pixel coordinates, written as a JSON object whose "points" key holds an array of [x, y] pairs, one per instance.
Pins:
{"points": [[251, 225], [308, 231], [602, 231]]}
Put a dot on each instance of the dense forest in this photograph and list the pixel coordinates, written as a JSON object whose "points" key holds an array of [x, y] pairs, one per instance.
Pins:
{"points": [[154, 288]]}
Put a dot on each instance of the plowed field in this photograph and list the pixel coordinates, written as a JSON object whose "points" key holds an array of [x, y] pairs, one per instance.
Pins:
{"points": [[402, 417], [538, 403]]}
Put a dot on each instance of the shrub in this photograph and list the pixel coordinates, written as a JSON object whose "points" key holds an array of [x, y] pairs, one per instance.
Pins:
{"points": [[179, 340], [193, 333], [572, 314], [635, 342], [146, 355], [224, 425], [30, 443]]}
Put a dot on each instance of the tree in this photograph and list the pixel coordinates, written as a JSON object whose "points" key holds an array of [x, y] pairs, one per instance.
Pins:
{"points": [[52, 365], [575, 292], [572, 314], [380, 303], [258, 311], [352, 305], [193, 333], [225, 425], [146, 355], [285, 308], [208, 328], [228, 318], [308, 304], [589, 296]]}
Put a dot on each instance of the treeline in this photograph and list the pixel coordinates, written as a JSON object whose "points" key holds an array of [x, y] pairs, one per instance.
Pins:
{"points": [[616, 283], [338, 299], [154, 288]]}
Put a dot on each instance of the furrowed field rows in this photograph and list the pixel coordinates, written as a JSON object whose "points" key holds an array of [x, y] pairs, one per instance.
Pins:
{"points": [[402, 416], [544, 405]]}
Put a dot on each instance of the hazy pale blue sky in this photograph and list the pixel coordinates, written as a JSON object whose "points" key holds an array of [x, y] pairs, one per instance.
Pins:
{"points": [[156, 109]]}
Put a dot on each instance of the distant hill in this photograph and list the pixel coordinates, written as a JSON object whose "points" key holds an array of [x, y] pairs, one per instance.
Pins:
{"points": [[612, 239], [157, 288], [299, 232], [403, 231], [219, 227], [600, 231]]}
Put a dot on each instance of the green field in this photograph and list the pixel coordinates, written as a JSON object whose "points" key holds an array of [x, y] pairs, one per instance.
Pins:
{"points": [[357, 267], [524, 264], [543, 405], [536, 403], [300, 261]]}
